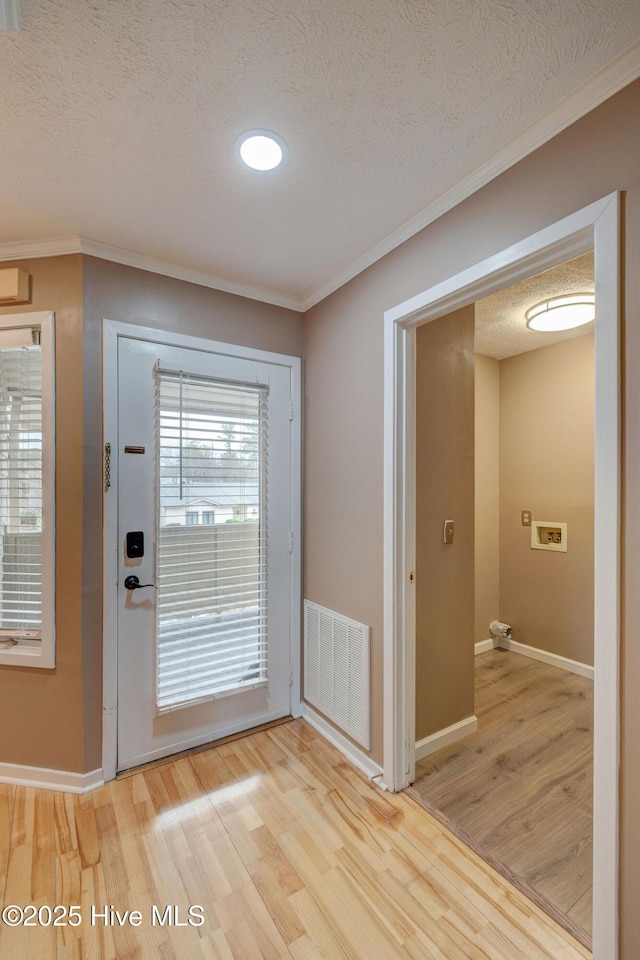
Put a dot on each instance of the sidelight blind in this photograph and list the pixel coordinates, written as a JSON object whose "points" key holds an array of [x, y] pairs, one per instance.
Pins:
{"points": [[20, 485], [212, 538]]}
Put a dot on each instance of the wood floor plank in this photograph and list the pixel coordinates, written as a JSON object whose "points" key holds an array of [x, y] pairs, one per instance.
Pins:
{"points": [[291, 853], [522, 785]]}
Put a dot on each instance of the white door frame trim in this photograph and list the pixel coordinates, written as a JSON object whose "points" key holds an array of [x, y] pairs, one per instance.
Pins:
{"points": [[597, 226], [113, 330]]}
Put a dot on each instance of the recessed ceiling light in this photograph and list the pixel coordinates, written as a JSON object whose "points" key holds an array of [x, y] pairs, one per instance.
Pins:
{"points": [[261, 150], [562, 313]]}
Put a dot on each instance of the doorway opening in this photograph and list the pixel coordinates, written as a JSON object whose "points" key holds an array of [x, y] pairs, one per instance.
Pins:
{"points": [[504, 738], [595, 227]]}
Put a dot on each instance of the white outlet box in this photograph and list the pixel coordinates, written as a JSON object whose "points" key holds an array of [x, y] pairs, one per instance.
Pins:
{"points": [[548, 535]]}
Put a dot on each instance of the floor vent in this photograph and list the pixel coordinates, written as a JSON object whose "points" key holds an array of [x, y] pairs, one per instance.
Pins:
{"points": [[336, 670]]}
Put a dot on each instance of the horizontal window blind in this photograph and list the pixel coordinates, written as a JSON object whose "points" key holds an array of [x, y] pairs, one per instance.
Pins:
{"points": [[212, 538], [20, 487]]}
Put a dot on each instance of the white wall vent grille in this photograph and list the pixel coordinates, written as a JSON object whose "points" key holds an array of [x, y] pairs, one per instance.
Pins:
{"points": [[336, 670]]}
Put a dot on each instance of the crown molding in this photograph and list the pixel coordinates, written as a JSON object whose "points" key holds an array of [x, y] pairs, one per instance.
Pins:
{"points": [[105, 251], [61, 246], [33, 249], [612, 78]]}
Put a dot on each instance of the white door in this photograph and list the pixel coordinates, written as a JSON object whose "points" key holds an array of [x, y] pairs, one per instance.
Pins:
{"points": [[204, 521]]}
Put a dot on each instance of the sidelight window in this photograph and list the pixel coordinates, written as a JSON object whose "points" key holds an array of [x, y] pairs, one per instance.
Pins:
{"points": [[26, 490]]}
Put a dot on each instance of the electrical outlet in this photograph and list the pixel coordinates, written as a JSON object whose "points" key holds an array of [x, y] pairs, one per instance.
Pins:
{"points": [[526, 518]]}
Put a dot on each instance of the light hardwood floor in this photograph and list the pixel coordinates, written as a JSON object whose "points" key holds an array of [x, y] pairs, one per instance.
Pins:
{"points": [[522, 785], [290, 852]]}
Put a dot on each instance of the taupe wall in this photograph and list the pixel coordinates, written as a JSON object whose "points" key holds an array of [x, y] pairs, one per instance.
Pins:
{"points": [[444, 491], [546, 465], [56, 715], [344, 386], [43, 709], [116, 292], [487, 495]]}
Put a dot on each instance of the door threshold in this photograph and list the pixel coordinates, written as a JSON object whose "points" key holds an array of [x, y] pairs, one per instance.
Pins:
{"points": [[210, 745], [521, 885]]}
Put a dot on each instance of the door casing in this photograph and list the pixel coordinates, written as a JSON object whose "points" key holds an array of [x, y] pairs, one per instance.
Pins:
{"points": [[594, 227], [112, 332]]}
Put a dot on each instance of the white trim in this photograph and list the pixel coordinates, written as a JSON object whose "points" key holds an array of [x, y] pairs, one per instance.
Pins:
{"points": [[45, 779], [553, 659], [112, 331], [614, 77], [36, 249], [445, 737], [607, 614], [9, 15], [597, 225], [353, 753], [63, 246], [535, 653], [203, 740], [483, 645], [295, 591]]}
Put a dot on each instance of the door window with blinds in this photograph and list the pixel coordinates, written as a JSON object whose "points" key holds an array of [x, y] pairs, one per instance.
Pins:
{"points": [[211, 614], [26, 490]]}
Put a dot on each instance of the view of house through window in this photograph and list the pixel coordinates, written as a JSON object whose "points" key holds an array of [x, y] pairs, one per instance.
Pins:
{"points": [[211, 579]]}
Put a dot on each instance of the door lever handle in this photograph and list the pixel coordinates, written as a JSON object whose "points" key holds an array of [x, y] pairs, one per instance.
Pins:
{"points": [[133, 583]]}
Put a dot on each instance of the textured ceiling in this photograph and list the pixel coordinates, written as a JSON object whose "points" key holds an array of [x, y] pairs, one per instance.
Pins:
{"points": [[119, 118], [500, 325]]}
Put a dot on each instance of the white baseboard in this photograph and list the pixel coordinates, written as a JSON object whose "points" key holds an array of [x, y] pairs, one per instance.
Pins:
{"points": [[483, 645], [45, 779], [442, 738], [554, 659], [354, 754]]}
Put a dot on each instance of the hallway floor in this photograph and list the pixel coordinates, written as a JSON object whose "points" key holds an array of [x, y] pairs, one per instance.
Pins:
{"points": [[521, 786], [287, 850]]}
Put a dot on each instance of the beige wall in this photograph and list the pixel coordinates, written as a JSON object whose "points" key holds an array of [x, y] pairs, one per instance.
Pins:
{"points": [[116, 292], [444, 491], [546, 466], [56, 715], [43, 709], [344, 386], [487, 495]]}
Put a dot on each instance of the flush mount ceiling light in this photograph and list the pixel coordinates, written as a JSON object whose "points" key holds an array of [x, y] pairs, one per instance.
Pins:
{"points": [[261, 150], [562, 313]]}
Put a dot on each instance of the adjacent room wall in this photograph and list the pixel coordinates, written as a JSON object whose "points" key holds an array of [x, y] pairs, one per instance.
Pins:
{"points": [[487, 495], [444, 491], [546, 466], [344, 390]]}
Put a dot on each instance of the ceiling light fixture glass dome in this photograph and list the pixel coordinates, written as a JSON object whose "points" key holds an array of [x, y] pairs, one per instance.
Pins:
{"points": [[561, 313], [261, 150]]}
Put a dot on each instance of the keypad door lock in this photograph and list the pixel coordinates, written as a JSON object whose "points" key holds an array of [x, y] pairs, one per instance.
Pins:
{"points": [[134, 544]]}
